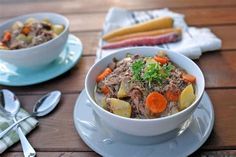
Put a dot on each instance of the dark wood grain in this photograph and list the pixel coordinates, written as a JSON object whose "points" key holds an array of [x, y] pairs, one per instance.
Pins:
{"points": [[194, 16], [218, 68], [56, 135], [220, 153], [56, 132], [55, 154], [82, 6]]}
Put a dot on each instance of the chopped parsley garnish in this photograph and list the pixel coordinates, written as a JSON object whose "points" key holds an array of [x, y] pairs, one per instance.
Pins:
{"points": [[137, 68], [152, 72]]}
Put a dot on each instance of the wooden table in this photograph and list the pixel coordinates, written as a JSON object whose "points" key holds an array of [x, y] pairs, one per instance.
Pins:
{"points": [[56, 135]]}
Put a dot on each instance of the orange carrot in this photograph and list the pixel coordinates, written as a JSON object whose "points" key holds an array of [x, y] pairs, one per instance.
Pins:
{"points": [[172, 95], [105, 90], [189, 78], [6, 37], [148, 33], [25, 30], [106, 72], [156, 102], [161, 60]]}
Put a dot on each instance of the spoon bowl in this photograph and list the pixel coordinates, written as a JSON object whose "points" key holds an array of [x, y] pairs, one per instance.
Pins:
{"points": [[11, 106], [43, 106]]}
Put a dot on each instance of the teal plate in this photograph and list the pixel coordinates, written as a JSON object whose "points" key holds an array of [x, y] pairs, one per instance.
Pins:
{"points": [[13, 76]]}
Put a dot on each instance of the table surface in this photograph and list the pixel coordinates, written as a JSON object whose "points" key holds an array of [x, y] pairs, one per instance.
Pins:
{"points": [[56, 135]]}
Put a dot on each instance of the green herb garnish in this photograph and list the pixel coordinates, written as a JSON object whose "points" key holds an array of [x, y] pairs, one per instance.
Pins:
{"points": [[137, 68], [152, 72]]}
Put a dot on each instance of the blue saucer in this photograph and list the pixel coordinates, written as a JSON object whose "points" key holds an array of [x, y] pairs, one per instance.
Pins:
{"points": [[13, 76]]}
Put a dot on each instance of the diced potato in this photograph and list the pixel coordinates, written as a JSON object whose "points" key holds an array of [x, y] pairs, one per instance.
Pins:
{"points": [[3, 47], [29, 39], [119, 107], [57, 29], [21, 37], [47, 21], [103, 103], [17, 25], [29, 21], [161, 53], [187, 97], [123, 90], [150, 61]]}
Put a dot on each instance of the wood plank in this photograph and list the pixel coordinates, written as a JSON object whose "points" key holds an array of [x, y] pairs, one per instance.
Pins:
{"points": [[227, 34], [93, 154], [56, 132], [71, 81], [219, 153], [218, 68], [54, 154], [81, 6], [196, 16]]}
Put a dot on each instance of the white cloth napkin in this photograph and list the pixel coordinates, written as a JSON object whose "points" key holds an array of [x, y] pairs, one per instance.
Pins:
{"points": [[194, 41]]}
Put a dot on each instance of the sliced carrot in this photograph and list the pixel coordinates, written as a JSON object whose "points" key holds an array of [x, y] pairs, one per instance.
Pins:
{"points": [[189, 78], [6, 37], [161, 60], [25, 30], [106, 72], [105, 90], [156, 102], [172, 95]]}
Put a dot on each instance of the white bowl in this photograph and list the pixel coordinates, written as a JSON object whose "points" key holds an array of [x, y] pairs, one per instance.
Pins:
{"points": [[145, 127], [40, 55]]}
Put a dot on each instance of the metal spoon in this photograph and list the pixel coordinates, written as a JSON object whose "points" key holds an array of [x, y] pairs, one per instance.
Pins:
{"points": [[44, 106], [11, 107]]}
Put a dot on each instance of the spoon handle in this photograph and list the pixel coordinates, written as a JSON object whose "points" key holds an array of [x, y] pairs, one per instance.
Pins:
{"points": [[28, 150], [12, 126]]}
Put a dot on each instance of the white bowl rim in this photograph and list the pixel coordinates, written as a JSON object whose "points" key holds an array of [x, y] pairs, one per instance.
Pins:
{"points": [[67, 24], [146, 120]]}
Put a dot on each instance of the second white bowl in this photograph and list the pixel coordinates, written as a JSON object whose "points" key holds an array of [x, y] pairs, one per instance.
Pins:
{"points": [[40, 55]]}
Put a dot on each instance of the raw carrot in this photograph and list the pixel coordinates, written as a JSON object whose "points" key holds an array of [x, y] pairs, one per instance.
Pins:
{"points": [[25, 30], [106, 72], [172, 95], [6, 37], [147, 41], [156, 102], [148, 33], [105, 90], [189, 78], [161, 60], [159, 23]]}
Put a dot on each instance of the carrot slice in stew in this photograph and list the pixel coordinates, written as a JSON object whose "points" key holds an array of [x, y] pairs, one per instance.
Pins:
{"points": [[189, 78], [25, 30], [172, 95], [6, 37], [161, 60], [106, 72], [105, 90], [156, 102]]}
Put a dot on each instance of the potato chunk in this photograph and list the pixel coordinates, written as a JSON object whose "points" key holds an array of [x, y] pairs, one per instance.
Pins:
{"points": [[119, 107], [187, 97], [123, 90]]}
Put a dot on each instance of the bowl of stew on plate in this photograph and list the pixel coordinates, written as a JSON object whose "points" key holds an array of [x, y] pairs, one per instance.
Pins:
{"points": [[33, 40], [144, 91]]}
